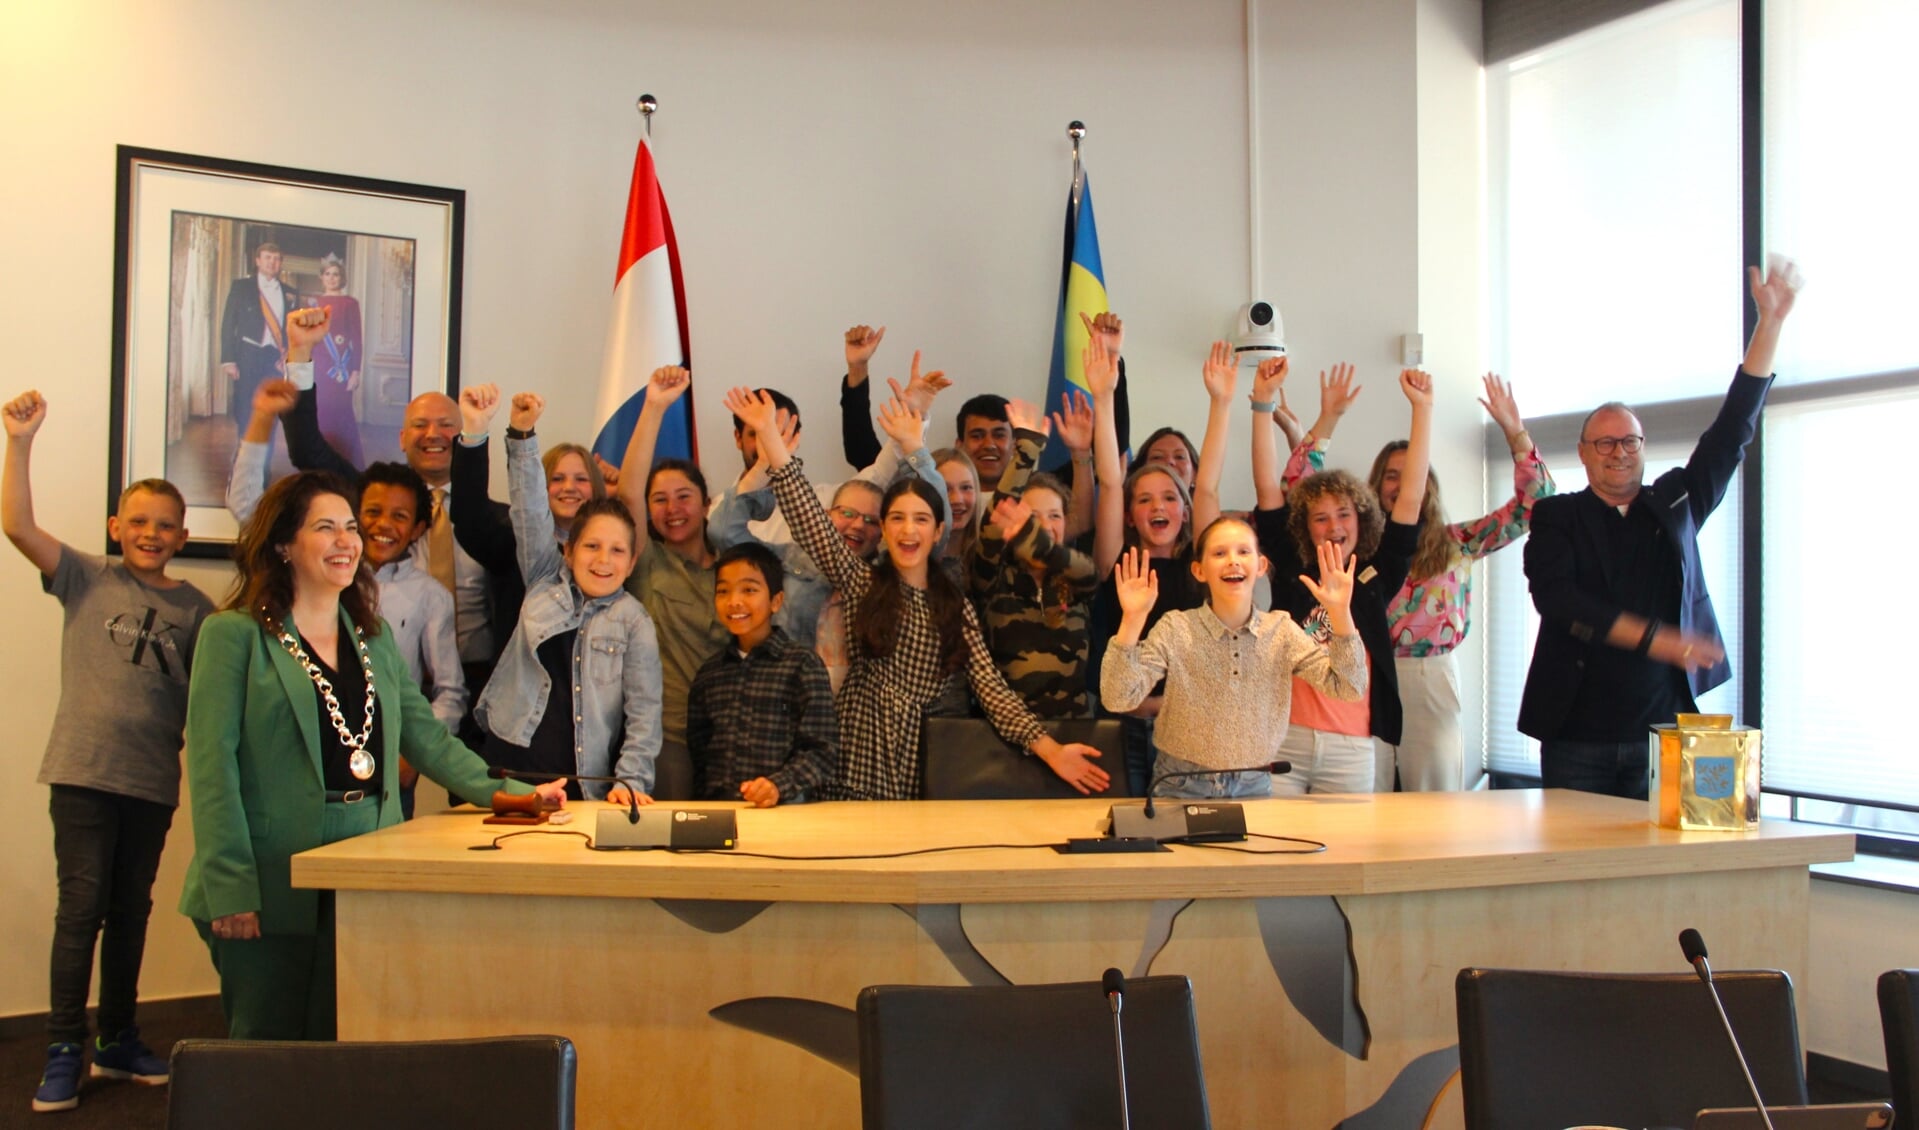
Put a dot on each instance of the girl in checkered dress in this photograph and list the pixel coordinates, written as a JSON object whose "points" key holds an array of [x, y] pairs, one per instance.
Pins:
{"points": [[911, 628]]}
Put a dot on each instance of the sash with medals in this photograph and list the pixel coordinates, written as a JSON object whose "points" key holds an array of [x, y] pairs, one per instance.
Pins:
{"points": [[340, 357], [275, 330]]}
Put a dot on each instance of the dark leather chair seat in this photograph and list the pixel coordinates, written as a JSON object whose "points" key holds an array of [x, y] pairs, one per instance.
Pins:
{"points": [[1899, 1015]]}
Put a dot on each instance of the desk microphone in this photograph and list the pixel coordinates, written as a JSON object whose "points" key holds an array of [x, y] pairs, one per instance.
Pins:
{"points": [[1694, 947], [500, 773], [1114, 983], [1135, 827]]}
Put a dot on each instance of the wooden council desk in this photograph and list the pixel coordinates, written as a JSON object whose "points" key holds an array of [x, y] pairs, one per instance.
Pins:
{"points": [[715, 990]]}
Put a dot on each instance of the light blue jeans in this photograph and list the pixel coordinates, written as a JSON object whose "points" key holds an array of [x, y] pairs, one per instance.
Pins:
{"points": [[1231, 784]]}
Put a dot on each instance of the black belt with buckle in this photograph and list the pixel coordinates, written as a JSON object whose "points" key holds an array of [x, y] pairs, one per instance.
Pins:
{"points": [[348, 796]]}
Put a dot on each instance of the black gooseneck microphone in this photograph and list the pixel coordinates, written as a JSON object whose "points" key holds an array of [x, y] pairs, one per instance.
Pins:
{"points": [[500, 773], [1270, 767], [1694, 947], [1114, 982]]}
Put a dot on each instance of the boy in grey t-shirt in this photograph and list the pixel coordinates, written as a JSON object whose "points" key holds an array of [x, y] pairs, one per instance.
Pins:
{"points": [[113, 759]]}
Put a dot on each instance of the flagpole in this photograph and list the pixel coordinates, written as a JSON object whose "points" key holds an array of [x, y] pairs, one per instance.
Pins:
{"points": [[1077, 131], [646, 105]]}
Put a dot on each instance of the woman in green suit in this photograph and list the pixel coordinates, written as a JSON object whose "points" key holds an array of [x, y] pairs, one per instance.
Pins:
{"points": [[298, 710]]}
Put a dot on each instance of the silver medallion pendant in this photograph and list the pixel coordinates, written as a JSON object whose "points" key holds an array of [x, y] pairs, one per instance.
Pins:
{"points": [[360, 765]]}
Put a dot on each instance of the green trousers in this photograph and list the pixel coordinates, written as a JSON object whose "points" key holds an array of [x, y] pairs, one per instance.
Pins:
{"points": [[281, 986]]}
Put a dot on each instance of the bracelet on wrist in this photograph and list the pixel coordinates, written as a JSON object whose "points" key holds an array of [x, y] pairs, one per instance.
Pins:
{"points": [[517, 433], [1645, 641], [1265, 407]]}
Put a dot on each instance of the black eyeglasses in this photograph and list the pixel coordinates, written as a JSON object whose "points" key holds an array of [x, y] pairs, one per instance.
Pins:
{"points": [[1606, 445], [852, 515]]}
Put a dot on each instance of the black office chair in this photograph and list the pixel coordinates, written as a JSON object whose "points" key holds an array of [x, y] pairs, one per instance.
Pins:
{"points": [[505, 1083], [964, 759], [1899, 1015], [1628, 1049], [1040, 1056]]}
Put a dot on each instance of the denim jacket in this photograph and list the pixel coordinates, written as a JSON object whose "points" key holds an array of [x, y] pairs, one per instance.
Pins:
{"points": [[616, 657]]}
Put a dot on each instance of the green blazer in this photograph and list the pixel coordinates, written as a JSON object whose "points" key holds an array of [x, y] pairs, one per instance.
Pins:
{"points": [[253, 767]]}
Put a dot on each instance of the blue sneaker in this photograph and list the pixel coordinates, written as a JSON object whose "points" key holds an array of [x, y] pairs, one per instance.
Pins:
{"points": [[60, 1085], [127, 1058]]}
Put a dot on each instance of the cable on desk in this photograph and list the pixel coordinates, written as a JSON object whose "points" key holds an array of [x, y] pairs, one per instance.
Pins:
{"points": [[495, 845], [1314, 846], [843, 858]]}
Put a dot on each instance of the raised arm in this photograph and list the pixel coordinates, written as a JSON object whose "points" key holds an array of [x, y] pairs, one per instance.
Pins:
{"points": [[1074, 424], [248, 480], [861, 445], [1531, 480], [479, 526], [1337, 670], [1772, 296], [1129, 672], [812, 529], [903, 419], [307, 448], [23, 416], [1336, 395], [538, 550], [1109, 517], [1268, 487], [1030, 431], [1220, 374], [667, 384], [1418, 387]]}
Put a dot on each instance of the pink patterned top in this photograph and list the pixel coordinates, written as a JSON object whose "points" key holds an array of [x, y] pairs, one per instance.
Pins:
{"points": [[1431, 614]]}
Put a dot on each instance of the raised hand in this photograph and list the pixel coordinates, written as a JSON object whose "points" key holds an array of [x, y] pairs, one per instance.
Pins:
{"points": [[902, 424], [1137, 584], [525, 411], [1500, 405], [1220, 372], [755, 409], [1337, 391], [1027, 416], [1334, 589], [1417, 384], [478, 403], [1110, 330], [275, 397], [1099, 360], [1773, 295], [667, 384], [1269, 378], [24, 414], [1010, 516], [1288, 422], [1074, 422], [921, 388], [609, 474], [861, 343], [304, 330]]}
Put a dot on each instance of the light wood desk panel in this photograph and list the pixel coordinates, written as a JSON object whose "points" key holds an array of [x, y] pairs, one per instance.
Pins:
{"points": [[573, 941]]}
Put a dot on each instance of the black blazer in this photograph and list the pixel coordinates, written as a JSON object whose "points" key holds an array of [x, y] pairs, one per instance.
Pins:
{"points": [[1567, 565]]}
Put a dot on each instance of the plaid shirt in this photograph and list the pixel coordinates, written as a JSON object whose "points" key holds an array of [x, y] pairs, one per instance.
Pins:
{"points": [[768, 713]]}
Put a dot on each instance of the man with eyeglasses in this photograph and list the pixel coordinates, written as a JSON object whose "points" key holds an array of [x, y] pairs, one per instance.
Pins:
{"points": [[1627, 633]]}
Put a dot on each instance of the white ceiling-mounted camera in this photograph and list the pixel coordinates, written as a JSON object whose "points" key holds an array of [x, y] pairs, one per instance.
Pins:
{"points": [[1262, 333]]}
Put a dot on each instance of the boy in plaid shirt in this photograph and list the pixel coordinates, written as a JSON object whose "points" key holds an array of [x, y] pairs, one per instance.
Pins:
{"points": [[760, 724]]}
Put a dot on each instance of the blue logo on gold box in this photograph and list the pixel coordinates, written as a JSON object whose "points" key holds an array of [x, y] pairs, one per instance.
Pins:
{"points": [[1713, 777]]}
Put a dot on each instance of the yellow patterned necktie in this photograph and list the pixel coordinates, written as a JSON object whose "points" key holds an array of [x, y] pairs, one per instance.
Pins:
{"points": [[439, 544]]}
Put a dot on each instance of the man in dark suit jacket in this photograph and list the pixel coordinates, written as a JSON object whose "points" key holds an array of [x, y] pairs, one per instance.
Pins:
{"points": [[1627, 633], [253, 328]]}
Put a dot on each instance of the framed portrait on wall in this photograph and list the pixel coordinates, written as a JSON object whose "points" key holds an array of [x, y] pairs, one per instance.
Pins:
{"points": [[210, 256]]}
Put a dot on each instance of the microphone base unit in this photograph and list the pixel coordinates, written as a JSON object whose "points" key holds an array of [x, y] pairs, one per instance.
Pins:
{"points": [[1180, 821], [712, 829]]}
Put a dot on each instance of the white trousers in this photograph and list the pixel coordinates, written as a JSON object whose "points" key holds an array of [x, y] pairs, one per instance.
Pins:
{"points": [[1430, 756], [1324, 763]]}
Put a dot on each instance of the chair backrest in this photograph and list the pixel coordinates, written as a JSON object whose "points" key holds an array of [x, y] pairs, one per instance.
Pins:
{"points": [[673, 773], [1899, 1015], [1565, 1049], [999, 1058], [965, 759], [504, 1083]]}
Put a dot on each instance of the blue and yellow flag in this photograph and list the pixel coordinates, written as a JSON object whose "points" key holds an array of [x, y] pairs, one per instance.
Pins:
{"points": [[1082, 289]]}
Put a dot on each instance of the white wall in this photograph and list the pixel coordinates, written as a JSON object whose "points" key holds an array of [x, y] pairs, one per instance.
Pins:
{"points": [[826, 164]]}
